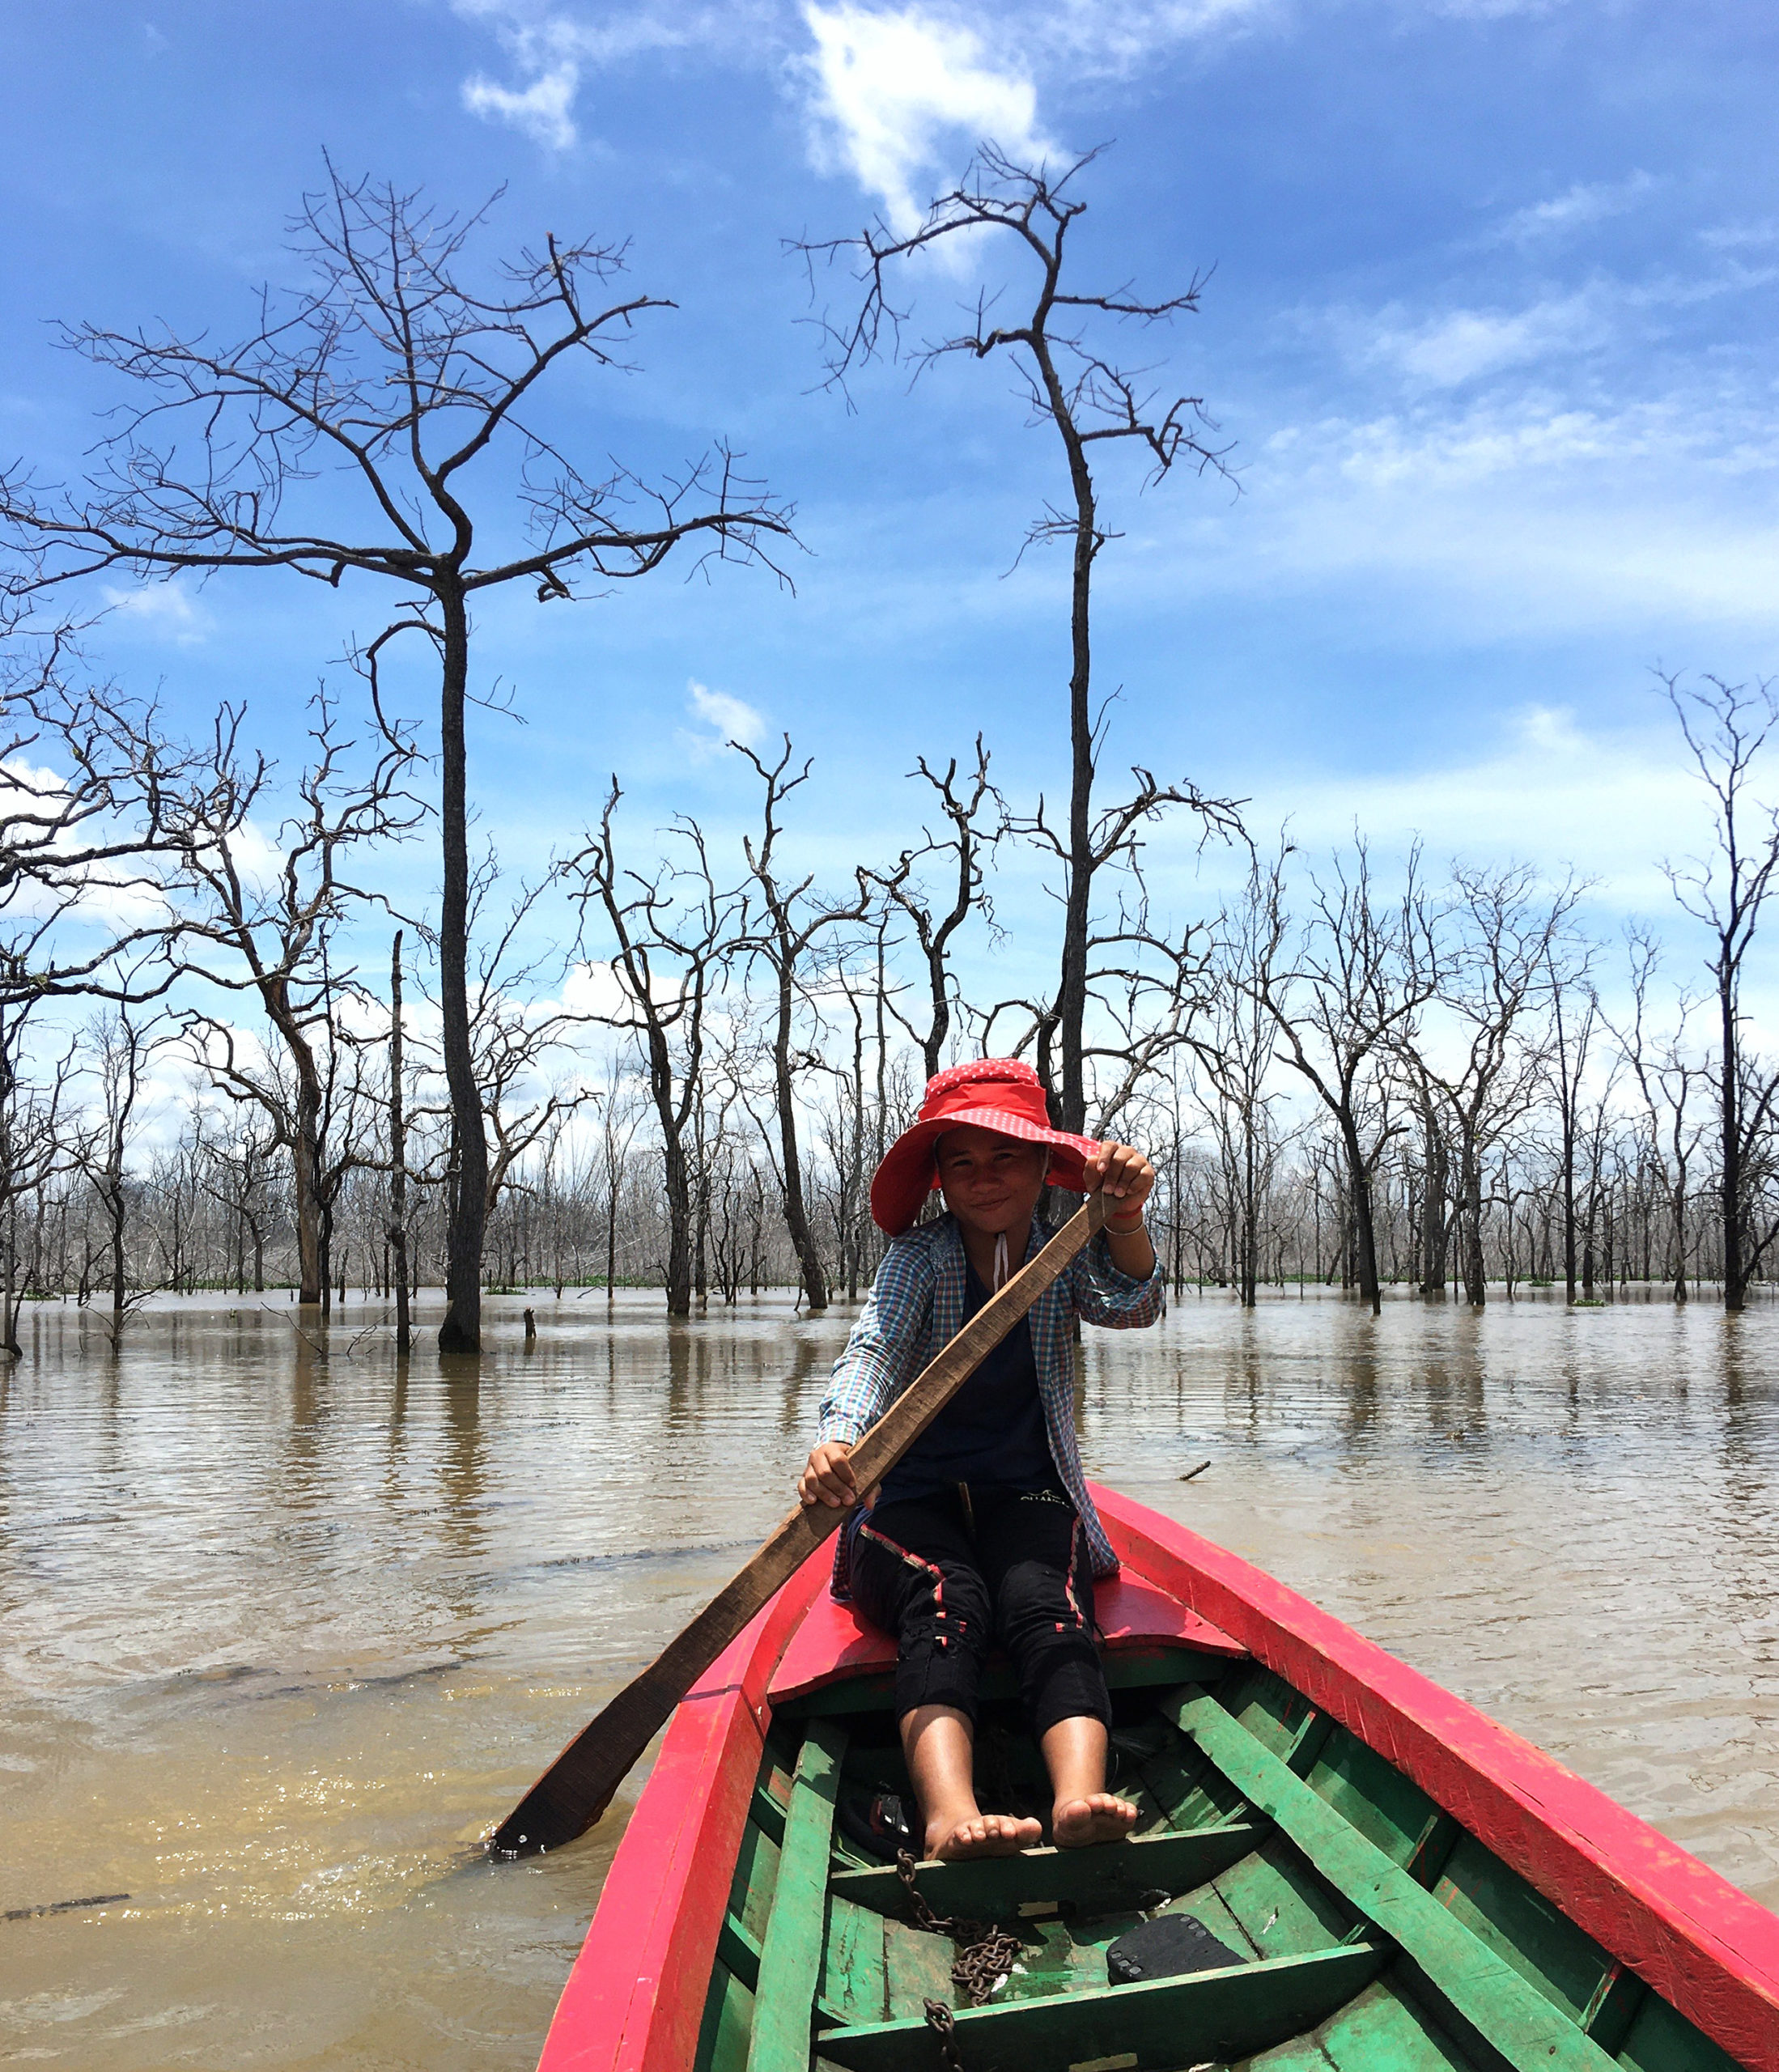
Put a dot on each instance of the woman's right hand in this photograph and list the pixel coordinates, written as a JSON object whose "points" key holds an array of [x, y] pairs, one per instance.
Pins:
{"points": [[828, 1477]]}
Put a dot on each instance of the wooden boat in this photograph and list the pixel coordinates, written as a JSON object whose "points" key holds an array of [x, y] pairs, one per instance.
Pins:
{"points": [[1396, 1883]]}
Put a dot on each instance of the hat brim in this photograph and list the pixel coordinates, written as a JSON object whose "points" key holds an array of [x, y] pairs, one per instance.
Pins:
{"points": [[908, 1174]]}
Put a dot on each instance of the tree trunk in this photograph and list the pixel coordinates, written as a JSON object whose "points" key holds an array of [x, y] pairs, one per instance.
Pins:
{"points": [[397, 1231], [1072, 997], [1735, 1272], [1568, 1203], [1364, 1230], [797, 1218], [309, 1233], [461, 1329], [1475, 1285], [679, 1222], [1435, 1209], [114, 1210]]}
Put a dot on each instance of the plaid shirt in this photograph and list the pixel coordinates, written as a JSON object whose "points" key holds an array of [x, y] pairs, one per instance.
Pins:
{"points": [[916, 1304]]}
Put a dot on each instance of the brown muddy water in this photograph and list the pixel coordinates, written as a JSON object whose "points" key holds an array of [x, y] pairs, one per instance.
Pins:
{"points": [[280, 1636]]}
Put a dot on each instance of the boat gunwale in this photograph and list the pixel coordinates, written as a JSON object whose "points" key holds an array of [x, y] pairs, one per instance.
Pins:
{"points": [[1704, 1945]]}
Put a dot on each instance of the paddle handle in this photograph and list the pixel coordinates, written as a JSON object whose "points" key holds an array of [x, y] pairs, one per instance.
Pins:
{"points": [[578, 1786]]}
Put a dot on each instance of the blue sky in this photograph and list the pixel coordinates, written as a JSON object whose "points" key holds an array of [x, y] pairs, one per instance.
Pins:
{"points": [[1490, 325]]}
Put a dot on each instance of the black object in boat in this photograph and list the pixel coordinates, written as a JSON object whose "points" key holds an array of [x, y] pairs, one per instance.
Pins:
{"points": [[1165, 1948], [876, 1821]]}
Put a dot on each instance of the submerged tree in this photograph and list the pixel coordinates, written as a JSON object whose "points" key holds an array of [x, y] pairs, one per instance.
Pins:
{"points": [[1343, 995], [792, 928], [1090, 400], [261, 920], [354, 429], [1725, 727], [671, 929]]}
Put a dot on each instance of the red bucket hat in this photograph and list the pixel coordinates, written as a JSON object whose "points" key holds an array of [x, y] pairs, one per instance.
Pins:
{"points": [[993, 1093]]}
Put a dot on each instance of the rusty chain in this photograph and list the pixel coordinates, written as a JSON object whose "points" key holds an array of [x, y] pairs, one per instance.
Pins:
{"points": [[939, 2021], [985, 1951]]}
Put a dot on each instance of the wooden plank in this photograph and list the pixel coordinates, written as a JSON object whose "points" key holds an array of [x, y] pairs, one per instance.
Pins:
{"points": [[1660, 2041], [1373, 1794], [1500, 1908], [1284, 1907], [729, 2020], [1380, 2032], [1098, 1880], [853, 1980], [738, 1951], [1481, 1988], [1711, 1950], [916, 1967], [791, 1951], [1167, 2022], [766, 1814], [756, 1878]]}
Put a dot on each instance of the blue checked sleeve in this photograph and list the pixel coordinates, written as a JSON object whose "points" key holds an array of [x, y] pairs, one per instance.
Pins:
{"points": [[1104, 1296], [884, 1353]]}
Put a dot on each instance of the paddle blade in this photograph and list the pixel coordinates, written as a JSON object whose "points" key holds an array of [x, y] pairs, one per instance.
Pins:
{"points": [[579, 1785]]}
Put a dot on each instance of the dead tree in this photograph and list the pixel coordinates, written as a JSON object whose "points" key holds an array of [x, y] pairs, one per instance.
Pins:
{"points": [[269, 930], [398, 377], [959, 853], [620, 1117], [1574, 1023], [123, 1046], [237, 1180], [38, 1143], [672, 931], [1235, 1049], [1502, 928], [397, 1233], [87, 774], [1350, 988], [512, 1039], [790, 925], [1070, 384], [1668, 1075], [1725, 728]]}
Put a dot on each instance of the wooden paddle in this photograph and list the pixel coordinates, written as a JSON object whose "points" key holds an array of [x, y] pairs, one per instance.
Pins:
{"points": [[578, 1786]]}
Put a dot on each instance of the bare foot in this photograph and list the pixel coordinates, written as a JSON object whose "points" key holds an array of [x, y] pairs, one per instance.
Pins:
{"points": [[983, 1834], [1079, 1822]]}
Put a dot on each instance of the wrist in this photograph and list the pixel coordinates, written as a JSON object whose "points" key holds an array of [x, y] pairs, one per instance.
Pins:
{"points": [[1125, 1226]]}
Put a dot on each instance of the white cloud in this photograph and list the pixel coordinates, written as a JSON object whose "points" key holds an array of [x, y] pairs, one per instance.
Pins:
{"points": [[1583, 204], [1653, 527], [889, 84], [553, 50], [542, 110], [727, 719], [1461, 345], [1732, 237], [893, 89], [165, 610]]}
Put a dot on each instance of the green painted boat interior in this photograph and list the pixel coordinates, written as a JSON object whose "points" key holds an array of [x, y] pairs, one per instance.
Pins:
{"points": [[1372, 1934]]}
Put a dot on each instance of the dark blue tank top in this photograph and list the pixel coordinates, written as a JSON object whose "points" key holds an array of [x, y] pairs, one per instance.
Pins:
{"points": [[992, 1430]]}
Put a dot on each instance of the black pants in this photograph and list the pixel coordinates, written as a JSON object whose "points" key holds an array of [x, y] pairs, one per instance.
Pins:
{"points": [[952, 1573]]}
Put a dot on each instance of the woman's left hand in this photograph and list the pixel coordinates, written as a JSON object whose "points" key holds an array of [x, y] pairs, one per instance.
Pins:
{"points": [[1122, 1173]]}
